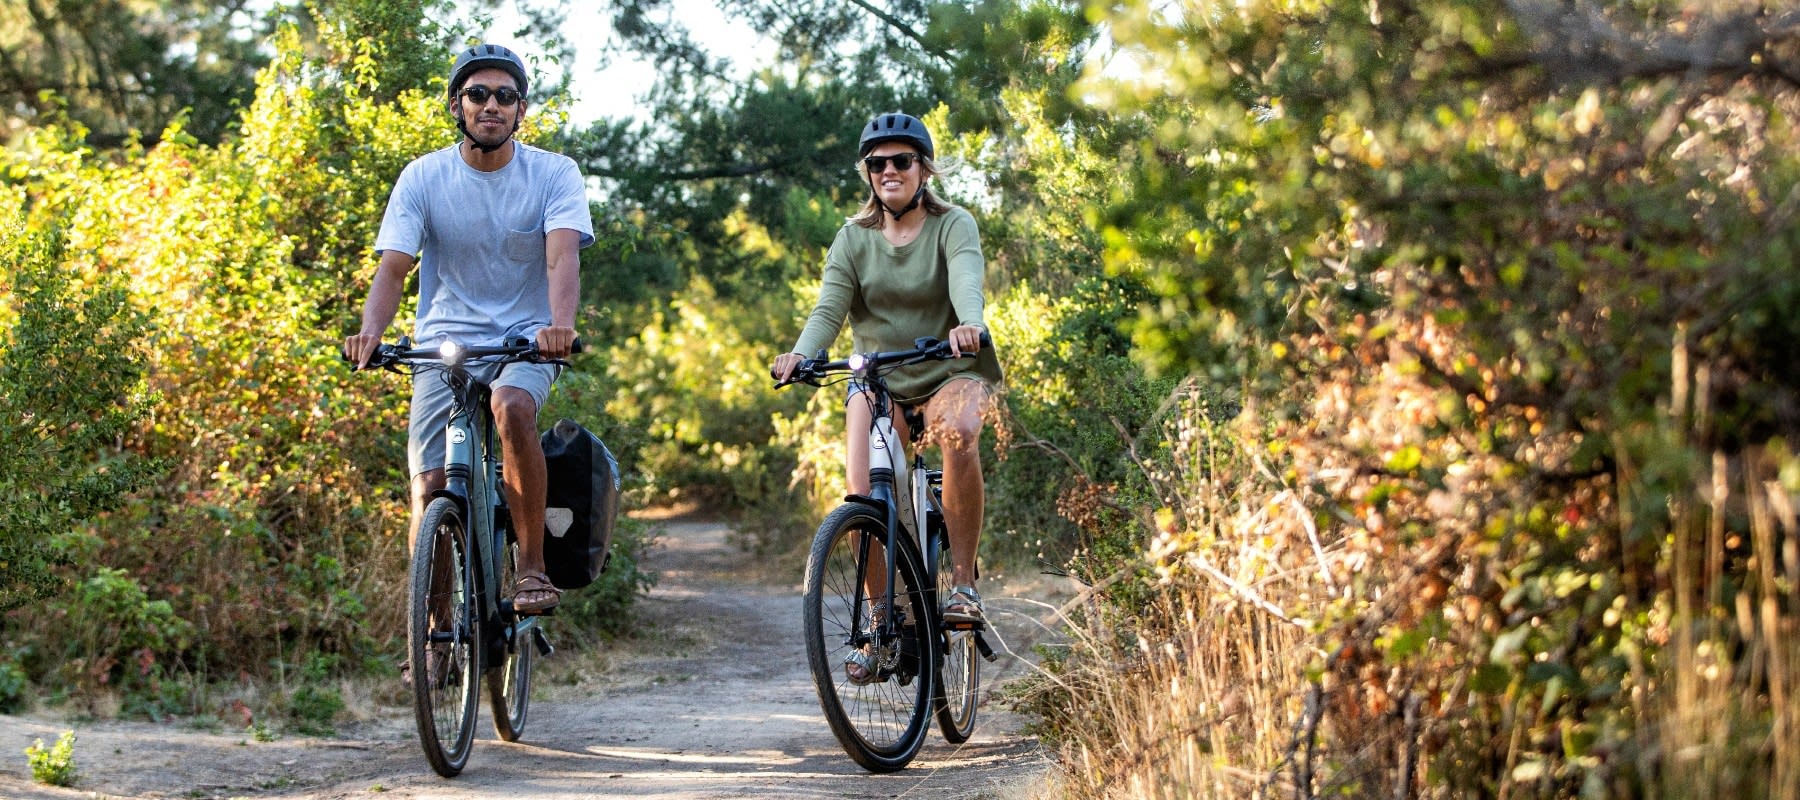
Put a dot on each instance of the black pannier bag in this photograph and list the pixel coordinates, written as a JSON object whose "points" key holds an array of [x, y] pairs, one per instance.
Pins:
{"points": [[581, 504]]}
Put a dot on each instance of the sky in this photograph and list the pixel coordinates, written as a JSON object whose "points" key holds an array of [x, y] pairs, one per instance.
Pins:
{"points": [[604, 92]]}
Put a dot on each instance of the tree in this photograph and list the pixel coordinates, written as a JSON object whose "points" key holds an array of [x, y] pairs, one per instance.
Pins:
{"points": [[123, 70]]}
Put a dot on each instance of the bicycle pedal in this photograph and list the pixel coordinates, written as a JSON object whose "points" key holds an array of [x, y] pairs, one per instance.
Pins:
{"points": [[543, 642]]}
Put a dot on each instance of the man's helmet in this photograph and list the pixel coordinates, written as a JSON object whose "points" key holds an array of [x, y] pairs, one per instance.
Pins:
{"points": [[487, 56], [895, 127]]}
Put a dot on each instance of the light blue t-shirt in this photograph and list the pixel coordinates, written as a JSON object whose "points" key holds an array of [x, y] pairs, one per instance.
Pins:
{"points": [[479, 237]]}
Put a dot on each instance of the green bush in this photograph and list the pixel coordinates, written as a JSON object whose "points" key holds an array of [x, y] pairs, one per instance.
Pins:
{"points": [[71, 386], [54, 765], [313, 705], [15, 688], [113, 637]]}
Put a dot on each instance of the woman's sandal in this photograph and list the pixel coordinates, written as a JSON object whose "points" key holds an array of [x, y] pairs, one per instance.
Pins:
{"points": [[539, 585], [859, 664], [963, 607]]}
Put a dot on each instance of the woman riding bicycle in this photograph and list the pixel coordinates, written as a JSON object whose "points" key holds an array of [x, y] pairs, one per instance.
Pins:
{"points": [[909, 265]]}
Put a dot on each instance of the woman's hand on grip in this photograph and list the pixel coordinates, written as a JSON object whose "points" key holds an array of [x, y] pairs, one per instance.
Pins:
{"points": [[965, 340], [784, 365]]}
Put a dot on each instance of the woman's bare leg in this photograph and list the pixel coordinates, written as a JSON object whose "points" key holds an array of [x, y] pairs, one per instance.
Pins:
{"points": [[953, 422]]}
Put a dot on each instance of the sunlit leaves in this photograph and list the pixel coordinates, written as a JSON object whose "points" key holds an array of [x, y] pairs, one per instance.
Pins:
{"points": [[71, 388], [1497, 254]]}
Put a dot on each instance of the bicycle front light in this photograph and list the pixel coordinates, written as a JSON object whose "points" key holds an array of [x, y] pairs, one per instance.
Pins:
{"points": [[856, 362], [450, 351]]}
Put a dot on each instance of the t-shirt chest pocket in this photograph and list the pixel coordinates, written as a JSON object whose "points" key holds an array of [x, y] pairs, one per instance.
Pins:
{"points": [[525, 246]]}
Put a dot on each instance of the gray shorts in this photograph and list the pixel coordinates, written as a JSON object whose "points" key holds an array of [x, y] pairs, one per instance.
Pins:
{"points": [[432, 399]]}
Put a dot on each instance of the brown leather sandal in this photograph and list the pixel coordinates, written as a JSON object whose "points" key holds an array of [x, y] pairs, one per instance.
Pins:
{"points": [[534, 594]]}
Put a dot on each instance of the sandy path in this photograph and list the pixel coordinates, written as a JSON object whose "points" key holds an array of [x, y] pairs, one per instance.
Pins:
{"points": [[717, 704]]}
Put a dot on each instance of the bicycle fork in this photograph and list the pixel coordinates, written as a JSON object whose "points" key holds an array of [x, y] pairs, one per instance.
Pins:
{"points": [[894, 638]]}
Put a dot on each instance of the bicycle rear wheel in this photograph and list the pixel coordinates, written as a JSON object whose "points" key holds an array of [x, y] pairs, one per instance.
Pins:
{"points": [[882, 723], [959, 661], [443, 630], [509, 686]]}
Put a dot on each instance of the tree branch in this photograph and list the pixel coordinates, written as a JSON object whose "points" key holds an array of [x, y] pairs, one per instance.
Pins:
{"points": [[903, 28], [1580, 43]]}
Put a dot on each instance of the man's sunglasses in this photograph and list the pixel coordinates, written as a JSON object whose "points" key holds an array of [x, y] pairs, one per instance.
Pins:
{"points": [[878, 164], [479, 95]]}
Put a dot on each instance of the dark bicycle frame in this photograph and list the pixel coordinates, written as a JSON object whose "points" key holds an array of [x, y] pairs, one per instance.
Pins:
{"points": [[472, 474]]}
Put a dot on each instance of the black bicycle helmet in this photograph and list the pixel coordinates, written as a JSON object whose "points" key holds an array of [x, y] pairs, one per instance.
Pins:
{"points": [[895, 127], [485, 56]]}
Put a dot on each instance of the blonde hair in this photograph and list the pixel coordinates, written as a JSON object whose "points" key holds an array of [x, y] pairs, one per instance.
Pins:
{"points": [[869, 216]]}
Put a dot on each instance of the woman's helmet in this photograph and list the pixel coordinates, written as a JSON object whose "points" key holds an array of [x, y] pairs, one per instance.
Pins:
{"points": [[895, 127], [487, 56]]}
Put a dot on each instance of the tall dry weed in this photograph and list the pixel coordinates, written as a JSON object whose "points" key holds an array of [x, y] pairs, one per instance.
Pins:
{"points": [[1352, 633]]}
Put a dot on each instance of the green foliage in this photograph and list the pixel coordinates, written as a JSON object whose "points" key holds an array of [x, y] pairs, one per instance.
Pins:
{"points": [[55, 765], [70, 388], [694, 386], [130, 69], [15, 688], [312, 706], [120, 642], [1503, 316]]}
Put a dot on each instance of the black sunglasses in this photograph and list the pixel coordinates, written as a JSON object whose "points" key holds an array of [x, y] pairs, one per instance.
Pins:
{"points": [[479, 95], [878, 164]]}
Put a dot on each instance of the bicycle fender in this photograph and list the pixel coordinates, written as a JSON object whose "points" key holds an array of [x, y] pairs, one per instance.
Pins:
{"points": [[461, 499], [872, 502]]}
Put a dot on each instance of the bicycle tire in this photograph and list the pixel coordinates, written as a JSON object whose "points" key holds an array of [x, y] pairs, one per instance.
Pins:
{"points": [[882, 724], [959, 661], [509, 684], [443, 575]]}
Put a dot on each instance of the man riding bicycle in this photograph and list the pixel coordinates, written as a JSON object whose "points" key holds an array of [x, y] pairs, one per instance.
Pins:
{"points": [[495, 227]]}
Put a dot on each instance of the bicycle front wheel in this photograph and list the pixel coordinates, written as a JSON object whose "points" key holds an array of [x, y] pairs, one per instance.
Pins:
{"points": [[509, 687], [880, 721], [442, 638], [959, 661]]}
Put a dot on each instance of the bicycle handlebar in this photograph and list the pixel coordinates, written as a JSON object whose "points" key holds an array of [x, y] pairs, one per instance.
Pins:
{"points": [[925, 348], [392, 356]]}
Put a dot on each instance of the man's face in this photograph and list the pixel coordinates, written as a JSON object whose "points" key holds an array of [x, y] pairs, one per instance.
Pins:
{"points": [[490, 122]]}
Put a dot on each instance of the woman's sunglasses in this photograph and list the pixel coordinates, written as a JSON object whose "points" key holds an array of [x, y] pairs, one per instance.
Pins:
{"points": [[479, 95], [878, 164]]}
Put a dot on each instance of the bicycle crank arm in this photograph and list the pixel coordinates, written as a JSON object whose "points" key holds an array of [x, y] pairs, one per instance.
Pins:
{"points": [[982, 645], [543, 642]]}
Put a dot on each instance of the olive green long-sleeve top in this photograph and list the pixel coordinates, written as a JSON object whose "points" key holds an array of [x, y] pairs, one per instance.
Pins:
{"points": [[893, 295]]}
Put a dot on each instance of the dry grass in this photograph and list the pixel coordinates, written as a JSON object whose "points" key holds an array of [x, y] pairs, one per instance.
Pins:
{"points": [[1246, 658]]}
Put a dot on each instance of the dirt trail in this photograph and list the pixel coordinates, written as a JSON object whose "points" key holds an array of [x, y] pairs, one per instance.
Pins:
{"points": [[717, 704]]}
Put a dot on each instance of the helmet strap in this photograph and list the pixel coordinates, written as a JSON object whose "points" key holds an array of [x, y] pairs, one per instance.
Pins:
{"points": [[876, 196], [484, 148]]}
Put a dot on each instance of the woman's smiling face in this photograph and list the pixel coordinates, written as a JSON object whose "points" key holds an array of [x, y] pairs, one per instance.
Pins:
{"points": [[894, 186]]}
